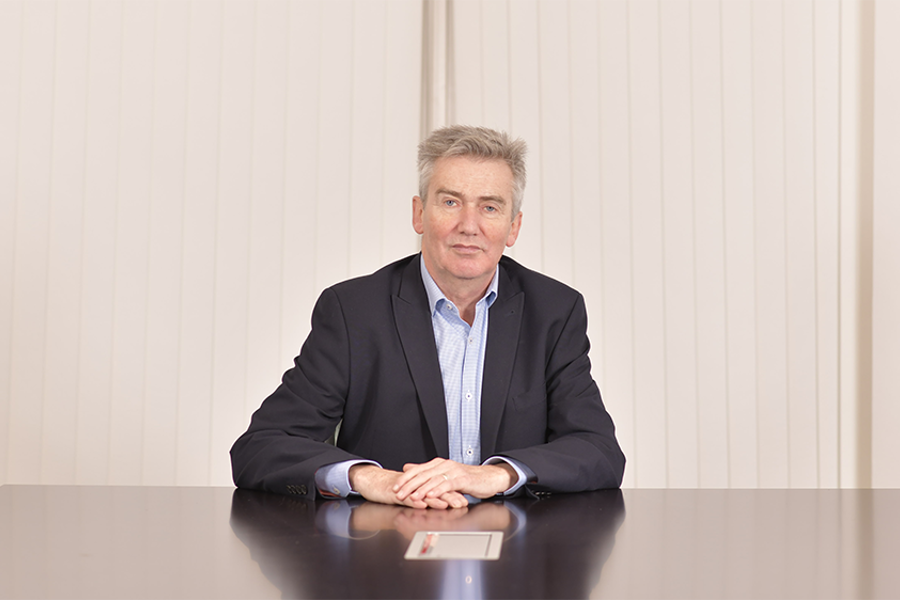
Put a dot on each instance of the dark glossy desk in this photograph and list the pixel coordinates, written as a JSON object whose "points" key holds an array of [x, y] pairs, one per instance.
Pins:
{"points": [[121, 542]]}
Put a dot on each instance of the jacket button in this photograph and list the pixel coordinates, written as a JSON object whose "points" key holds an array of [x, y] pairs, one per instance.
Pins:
{"points": [[303, 490]]}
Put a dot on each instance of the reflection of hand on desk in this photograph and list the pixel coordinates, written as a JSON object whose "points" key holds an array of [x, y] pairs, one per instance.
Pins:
{"points": [[372, 516], [485, 516]]}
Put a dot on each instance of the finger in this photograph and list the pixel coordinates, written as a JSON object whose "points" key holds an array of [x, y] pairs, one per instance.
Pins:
{"points": [[410, 470], [434, 487], [422, 483], [455, 500], [438, 503], [434, 462], [413, 502], [457, 479], [406, 487], [405, 478], [442, 487], [449, 500], [413, 479]]}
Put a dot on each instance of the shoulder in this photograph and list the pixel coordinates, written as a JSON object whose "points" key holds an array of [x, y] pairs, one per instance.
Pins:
{"points": [[368, 298], [535, 285], [385, 280], [372, 296]]}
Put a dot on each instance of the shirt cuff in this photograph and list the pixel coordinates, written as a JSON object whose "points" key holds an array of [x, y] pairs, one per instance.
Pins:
{"points": [[334, 479], [525, 474]]}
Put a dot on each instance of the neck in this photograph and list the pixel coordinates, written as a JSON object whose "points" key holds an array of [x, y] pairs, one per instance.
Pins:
{"points": [[466, 300], [464, 294]]}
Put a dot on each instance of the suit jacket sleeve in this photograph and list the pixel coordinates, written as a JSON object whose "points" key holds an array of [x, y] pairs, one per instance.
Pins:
{"points": [[579, 450], [286, 441]]}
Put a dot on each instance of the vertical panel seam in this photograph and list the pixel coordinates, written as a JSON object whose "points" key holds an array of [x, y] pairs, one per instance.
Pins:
{"points": [[509, 69], [184, 201], [693, 142], [840, 178], [351, 128], [753, 225], [725, 277], [314, 262], [5, 468], [571, 199], [425, 87], [815, 198], [215, 242], [385, 111], [662, 252], [631, 229], [449, 68], [84, 187], [601, 261], [481, 69], [279, 297], [786, 245], [149, 258], [116, 213], [540, 124], [284, 170], [249, 207], [50, 177]]}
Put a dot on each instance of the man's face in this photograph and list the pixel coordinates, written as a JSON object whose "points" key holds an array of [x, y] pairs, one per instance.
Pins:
{"points": [[466, 221]]}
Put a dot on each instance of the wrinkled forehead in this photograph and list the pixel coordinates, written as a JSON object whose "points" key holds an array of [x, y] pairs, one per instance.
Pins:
{"points": [[472, 177]]}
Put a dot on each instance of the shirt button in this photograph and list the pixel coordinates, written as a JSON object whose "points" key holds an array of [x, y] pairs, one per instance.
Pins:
{"points": [[335, 490], [468, 396], [469, 452]]}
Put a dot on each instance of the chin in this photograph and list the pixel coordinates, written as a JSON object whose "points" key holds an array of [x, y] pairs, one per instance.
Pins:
{"points": [[469, 274]]}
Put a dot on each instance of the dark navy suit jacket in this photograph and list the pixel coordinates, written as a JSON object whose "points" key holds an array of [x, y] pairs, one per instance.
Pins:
{"points": [[371, 360]]}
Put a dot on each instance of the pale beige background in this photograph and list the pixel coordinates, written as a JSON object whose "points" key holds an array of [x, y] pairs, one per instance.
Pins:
{"points": [[179, 180]]}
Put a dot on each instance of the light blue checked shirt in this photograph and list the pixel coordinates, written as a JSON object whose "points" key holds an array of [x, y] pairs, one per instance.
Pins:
{"points": [[461, 355]]}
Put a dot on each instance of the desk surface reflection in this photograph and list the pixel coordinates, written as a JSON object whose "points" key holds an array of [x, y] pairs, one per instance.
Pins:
{"points": [[134, 542], [552, 548]]}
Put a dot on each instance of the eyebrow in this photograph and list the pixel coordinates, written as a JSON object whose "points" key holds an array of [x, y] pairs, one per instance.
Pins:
{"points": [[498, 199]]}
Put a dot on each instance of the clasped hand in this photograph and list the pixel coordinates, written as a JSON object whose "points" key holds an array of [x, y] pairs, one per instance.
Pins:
{"points": [[439, 483]]}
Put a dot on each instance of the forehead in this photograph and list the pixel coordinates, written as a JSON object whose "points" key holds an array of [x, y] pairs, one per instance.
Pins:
{"points": [[472, 176]]}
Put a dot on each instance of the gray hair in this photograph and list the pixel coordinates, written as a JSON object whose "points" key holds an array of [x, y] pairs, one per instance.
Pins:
{"points": [[479, 142]]}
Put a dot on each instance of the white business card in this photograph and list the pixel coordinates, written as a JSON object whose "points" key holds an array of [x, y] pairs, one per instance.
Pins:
{"points": [[455, 545]]}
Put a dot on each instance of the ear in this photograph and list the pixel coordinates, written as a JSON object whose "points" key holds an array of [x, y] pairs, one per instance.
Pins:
{"points": [[418, 218], [514, 230]]}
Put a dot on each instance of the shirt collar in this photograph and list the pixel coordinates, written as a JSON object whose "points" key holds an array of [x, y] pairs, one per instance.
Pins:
{"points": [[436, 296]]}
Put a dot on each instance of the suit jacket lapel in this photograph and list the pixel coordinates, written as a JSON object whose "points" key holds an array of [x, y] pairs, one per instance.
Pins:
{"points": [[413, 319], [499, 358]]}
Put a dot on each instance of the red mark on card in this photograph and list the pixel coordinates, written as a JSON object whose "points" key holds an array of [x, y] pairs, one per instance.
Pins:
{"points": [[430, 540]]}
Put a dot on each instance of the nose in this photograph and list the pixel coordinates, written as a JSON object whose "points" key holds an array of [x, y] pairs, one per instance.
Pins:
{"points": [[468, 219]]}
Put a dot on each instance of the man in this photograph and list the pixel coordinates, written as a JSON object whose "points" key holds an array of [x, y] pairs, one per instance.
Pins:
{"points": [[440, 359]]}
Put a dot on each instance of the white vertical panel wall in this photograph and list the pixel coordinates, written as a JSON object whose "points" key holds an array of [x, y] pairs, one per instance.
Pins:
{"points": [[179, 180], [886, 252], [684, 175]]}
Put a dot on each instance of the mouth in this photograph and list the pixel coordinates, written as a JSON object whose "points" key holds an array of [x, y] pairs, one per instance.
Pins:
{"points": [[465, 249]]}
